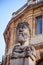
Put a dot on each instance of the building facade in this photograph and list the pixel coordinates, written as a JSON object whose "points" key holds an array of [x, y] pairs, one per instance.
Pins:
{"points": [[31, 12]]}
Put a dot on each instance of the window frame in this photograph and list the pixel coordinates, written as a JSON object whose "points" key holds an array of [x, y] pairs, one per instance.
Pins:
{"points": [[36, 25]]}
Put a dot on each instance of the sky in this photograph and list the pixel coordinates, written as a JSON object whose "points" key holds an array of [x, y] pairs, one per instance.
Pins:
{"points": [[7, 7]]}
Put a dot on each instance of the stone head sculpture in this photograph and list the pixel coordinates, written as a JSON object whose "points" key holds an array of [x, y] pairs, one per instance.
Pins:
{"points": [[23, 32], [23, 48]]}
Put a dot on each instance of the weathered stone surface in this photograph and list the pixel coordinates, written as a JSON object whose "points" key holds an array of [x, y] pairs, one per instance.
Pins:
{"points": [[23, 54], [26, 13], [22, 61]]}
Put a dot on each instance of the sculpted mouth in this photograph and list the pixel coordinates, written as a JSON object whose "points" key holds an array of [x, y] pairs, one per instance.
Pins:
{"points": [[21, 33]]}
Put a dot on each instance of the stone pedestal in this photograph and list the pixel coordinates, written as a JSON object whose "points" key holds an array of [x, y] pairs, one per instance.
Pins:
{"points": [[22, 61]]}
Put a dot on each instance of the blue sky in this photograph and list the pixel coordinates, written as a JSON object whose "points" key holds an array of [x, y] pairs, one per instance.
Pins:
{"points": [[7, 7]]}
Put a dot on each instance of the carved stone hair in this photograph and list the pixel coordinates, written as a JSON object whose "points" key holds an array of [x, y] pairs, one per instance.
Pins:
{"points": [[24, 24]]}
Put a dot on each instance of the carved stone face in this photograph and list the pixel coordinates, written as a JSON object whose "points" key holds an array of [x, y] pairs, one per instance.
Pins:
{"points": [[22, 33]]}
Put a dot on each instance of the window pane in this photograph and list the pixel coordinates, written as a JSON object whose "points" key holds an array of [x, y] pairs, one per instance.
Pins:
{"points": [[39, 25]]}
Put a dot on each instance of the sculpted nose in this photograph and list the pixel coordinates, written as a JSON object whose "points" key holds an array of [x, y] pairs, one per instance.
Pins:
{"points": [[20, 30]]}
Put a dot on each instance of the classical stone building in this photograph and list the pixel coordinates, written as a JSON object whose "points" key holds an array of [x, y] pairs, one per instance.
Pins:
{"points": [[31, 12]]}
